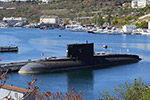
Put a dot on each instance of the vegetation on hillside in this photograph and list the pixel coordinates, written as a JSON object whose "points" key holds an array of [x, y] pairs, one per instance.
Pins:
{"points": [[84, 11], [143, 24], [128, 91]]}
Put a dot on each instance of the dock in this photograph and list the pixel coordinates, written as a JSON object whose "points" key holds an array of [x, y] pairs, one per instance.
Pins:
{"points": [[15, 66], [11, 67]]}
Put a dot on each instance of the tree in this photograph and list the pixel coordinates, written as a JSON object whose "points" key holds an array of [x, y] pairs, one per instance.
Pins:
{"points": [[66, 21], [100, 20], [108, 19], [128, 91], [114, 20], [121, 21], [143, 24]]}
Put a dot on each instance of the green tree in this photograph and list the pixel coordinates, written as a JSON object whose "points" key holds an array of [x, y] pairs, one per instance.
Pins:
{"points": [[128, 91], [108, 19], [100, 20], [114, 20], [143, 24], [121, 21]]}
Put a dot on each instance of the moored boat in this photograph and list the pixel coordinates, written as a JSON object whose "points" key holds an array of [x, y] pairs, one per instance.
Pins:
{"points": [[9, 49]]}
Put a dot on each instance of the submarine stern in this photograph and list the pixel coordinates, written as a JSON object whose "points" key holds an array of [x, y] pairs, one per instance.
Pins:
{"points": [[115, 59]]}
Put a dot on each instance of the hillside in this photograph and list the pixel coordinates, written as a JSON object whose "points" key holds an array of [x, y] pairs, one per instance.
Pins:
{"points": [[108, 10]]}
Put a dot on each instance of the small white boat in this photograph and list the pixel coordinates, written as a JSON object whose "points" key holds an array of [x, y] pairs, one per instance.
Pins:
{"points": [[3, 25], [99, 31], [75, 28], [113, 32]]}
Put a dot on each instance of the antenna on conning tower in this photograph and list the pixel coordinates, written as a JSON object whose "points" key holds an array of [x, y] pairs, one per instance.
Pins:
{"points": [[86, 41]]}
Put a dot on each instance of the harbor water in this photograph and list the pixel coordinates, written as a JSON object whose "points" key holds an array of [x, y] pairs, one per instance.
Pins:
{"points": [[34, 42]]}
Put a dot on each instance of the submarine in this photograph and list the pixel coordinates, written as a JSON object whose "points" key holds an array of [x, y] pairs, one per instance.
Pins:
{"points": [[79, 56]]}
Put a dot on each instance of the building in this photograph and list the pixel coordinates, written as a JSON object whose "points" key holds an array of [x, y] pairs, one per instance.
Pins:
{"points": [[140, 3], [12, 21], [134, 4], [149, 25], [15, 93], [128, 28], [50, 21], [45, 1]]}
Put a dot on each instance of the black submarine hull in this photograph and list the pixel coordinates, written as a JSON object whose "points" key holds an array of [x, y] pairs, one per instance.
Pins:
{"points": [[64, 64], [79, 56]]}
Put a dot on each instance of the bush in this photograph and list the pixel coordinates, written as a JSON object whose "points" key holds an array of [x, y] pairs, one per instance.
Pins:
{"points": [[143, 24], [128, 91]]}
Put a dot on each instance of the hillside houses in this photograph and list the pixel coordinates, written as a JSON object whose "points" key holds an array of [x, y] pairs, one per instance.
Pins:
{"points": [[140, 3], [14, 21], [44, 1]]}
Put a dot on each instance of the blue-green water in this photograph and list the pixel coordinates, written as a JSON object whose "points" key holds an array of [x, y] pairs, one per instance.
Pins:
{"points": [[33, 42]]}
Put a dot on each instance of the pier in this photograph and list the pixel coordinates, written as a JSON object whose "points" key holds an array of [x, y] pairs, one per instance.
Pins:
{"points": [[14, 66], [11, 67]]}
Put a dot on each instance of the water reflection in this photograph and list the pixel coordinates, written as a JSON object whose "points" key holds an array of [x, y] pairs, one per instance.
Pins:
{"points": [[81, 80], [43, 41]]}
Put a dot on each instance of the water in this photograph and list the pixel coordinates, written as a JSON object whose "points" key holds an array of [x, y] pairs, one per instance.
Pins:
{"points": [[33, 42]]}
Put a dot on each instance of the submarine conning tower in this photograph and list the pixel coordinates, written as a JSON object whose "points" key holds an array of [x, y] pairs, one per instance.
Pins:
{"points": [[80, 51]]}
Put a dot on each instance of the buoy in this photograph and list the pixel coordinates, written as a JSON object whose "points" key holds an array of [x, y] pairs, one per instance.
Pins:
{"points": [[105, 46]]}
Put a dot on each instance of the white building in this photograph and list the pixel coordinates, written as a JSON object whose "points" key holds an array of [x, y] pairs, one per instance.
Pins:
{"points": [[149, 25], [14, 19], [15, 93], [45, 1], [140, 3], [134, 3], [128, 28], [49, 19]]}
